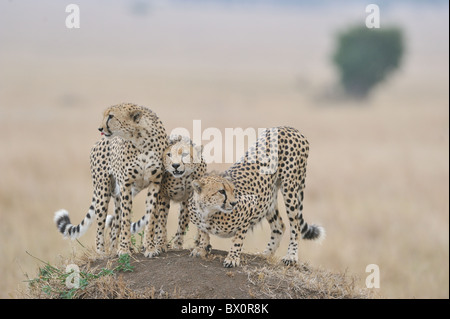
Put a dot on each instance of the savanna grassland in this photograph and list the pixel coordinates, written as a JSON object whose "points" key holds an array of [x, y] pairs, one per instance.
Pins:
{"points": [[378, 171]]}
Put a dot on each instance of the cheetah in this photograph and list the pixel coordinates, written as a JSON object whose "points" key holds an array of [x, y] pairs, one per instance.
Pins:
{"points": [[230, 204], [126, 160], [183, 163]]}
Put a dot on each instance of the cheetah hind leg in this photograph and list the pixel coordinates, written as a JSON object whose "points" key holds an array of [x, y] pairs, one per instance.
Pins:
{"points": [[276, 227], [113, 223], [293, 202]]}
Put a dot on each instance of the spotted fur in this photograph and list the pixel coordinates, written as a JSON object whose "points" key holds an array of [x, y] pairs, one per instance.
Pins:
{"points": [[183, 163], [231, 204], [126, 160]]}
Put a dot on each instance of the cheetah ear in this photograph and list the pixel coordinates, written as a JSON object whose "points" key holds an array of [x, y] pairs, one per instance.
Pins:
{"points": [[173, 139], [199, 151], [197, 185], [136, 116]]}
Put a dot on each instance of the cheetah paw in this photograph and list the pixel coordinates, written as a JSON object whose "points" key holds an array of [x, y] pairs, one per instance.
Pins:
{"points": [[123, 251], [162, 248], [231, 262], [177, 246], [198, 252], [289, 260], [151, 253], [267, 253], [177, 243]]}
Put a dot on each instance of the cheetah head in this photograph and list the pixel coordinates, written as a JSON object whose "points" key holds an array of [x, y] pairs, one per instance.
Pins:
{"points": [[123, 120], [214, 193], [181, 157]]}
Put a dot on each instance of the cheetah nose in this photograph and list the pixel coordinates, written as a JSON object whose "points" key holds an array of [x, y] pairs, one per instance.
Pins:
{"points": [[233, 203], [175, 166], [100, 129]]}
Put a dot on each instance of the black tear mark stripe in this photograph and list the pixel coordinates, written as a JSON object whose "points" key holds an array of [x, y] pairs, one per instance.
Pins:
{"points": [[224, 194], [107, 123]]}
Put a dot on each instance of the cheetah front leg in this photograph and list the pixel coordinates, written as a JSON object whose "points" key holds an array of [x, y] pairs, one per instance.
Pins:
{"points": [[115, 224], [160, 236], [101, 209], [152, 212], [126, 202], [183, 221], [203, 246], [234, 255]]}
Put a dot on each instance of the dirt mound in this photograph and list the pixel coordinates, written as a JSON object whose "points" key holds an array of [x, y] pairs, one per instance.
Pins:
{"points": [[176, 275]]}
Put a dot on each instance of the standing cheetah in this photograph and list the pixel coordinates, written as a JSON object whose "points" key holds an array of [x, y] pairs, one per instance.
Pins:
{"points": [[127, 159], [183, 163], [231, 204]]}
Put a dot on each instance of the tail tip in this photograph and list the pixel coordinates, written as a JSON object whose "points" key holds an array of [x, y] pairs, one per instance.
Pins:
{"points": [[61, 220], [316, 233], [60, 214]]}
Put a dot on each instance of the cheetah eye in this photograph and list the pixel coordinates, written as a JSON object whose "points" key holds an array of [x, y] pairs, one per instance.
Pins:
{"points": [[169, 155], [110, 116], [222, 191]]}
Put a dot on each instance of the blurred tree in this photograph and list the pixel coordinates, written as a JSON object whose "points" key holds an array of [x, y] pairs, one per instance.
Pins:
{"points": [[366, 56]]}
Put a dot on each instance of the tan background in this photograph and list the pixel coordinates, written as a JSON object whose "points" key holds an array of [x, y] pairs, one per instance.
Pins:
{"points": [[378, 172]]}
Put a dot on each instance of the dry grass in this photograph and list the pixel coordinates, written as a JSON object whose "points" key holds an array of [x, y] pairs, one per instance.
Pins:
{"points": [[378, 176], [106, 283], [303, 282], [105, 278]]}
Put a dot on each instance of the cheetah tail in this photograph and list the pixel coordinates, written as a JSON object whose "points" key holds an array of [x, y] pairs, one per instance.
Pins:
{"points": [[139, 225], [313, 232], [66, 228], [135, 227]]}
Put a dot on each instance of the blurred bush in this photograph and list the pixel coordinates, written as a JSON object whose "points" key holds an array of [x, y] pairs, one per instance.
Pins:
{"points": [[366, 56]]}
